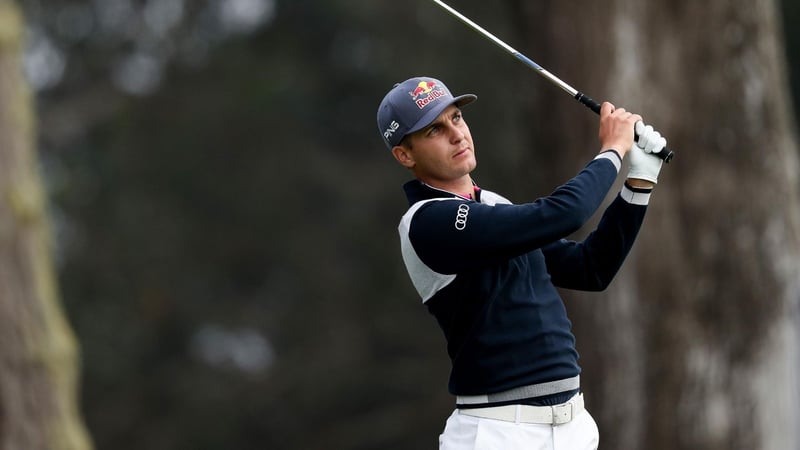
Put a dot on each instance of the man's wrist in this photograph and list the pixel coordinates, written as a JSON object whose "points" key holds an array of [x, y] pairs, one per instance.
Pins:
{"points": [[617, 148], [639, 183]]}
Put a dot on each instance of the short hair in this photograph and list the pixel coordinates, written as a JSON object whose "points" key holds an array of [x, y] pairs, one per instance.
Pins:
{"points": [[406, 142]]}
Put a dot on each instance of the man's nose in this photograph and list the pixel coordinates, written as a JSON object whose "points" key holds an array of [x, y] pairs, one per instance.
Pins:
{"points": [[456, 134]]}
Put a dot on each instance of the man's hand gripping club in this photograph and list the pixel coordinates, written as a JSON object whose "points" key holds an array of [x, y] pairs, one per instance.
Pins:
{"points": [[644, 164], [617, 132]]}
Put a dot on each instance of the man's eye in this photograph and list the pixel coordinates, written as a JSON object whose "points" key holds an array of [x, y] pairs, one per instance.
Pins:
{"points": [[456, 117]]}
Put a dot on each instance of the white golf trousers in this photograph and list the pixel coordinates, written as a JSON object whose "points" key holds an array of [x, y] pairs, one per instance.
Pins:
{"points": [[464, 432]]}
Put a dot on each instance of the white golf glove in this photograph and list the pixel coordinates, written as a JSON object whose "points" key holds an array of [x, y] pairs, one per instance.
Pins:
{"points": [[644, 164]]}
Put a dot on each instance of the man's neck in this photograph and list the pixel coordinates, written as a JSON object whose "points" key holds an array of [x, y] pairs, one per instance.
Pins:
{"points": [[463, 187]]}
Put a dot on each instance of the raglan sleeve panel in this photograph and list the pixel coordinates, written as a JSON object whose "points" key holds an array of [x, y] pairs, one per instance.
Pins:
{"points": [[592, 264], [455, 235]]}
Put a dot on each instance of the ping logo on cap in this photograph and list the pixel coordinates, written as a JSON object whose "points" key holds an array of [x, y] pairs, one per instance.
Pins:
{"points": [[391, 129], [430, 90]]}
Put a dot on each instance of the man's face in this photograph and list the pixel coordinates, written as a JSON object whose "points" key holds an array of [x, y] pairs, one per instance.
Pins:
{"points": [[440, 153]]}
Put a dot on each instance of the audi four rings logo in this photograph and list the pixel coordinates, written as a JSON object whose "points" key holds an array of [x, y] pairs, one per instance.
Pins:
{"points": [[461, 216]]}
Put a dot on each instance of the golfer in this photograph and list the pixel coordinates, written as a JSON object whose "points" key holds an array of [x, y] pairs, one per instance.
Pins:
{"points": [[488, 270]]}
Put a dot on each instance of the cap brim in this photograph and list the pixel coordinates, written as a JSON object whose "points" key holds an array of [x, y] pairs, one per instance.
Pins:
{"points": [[430, 116]]}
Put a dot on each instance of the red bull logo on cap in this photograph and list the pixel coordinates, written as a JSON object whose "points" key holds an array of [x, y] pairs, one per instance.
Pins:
{"points": [[430, 90]]}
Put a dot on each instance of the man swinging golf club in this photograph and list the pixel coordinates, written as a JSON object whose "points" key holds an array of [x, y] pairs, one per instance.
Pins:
{"points": [[488, 270]]}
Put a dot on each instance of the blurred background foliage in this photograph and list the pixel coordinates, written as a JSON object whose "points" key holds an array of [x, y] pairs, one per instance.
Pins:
{"points": [[225, 212]]}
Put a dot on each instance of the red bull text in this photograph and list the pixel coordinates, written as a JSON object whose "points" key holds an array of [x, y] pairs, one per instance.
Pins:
{"points": [[426, 87]]}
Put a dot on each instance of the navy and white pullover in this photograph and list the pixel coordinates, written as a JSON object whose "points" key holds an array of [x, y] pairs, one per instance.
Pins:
{"points": [[488, 271]]}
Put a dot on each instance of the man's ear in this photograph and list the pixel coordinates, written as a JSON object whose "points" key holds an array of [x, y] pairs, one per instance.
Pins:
{"points": [[403, 156]]}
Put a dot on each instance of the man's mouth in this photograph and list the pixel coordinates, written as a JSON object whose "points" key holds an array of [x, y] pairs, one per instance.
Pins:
{"points": [[461, 152]]}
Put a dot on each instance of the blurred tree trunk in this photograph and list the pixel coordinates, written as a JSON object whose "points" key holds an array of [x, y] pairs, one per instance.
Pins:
{"points": [[38, 352], [695, 345]]}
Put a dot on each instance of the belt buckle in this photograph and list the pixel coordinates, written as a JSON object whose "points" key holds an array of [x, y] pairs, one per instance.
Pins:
{"points": [[562, 413]]}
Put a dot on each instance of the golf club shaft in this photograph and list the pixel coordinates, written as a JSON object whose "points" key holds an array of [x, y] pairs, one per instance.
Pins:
{"points": [[665, 154]]}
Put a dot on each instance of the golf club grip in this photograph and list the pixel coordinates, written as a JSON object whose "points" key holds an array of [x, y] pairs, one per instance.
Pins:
{"points": [[666, 154]]}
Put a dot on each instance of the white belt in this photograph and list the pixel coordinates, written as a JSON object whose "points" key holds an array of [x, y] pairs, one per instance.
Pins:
{"points": [[550, 415]]}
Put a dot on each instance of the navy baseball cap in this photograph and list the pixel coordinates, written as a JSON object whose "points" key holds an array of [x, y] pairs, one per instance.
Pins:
{"points": [[412, 105]]}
